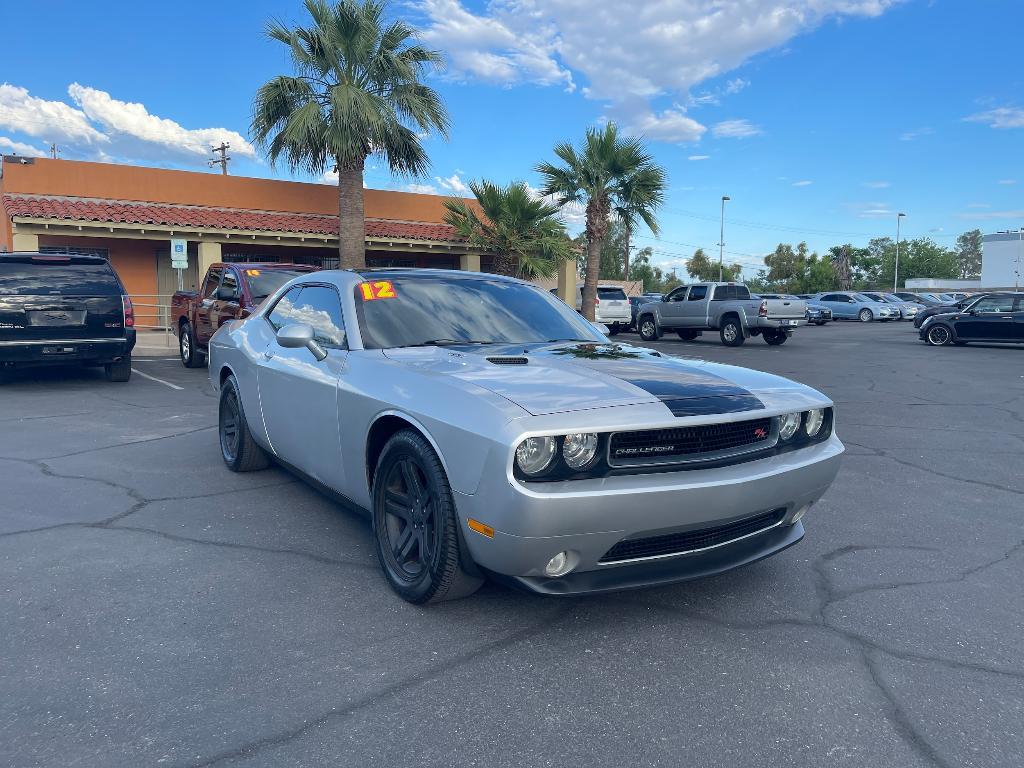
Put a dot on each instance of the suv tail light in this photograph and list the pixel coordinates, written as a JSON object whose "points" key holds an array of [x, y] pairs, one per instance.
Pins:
{"points": [[129, 312], [763, 311]]}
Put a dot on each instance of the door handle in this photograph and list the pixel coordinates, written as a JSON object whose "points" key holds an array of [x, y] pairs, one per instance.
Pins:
{"points": [[268, 355]]}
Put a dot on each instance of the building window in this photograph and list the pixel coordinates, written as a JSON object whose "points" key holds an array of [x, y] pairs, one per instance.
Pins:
{"points": [[73, 250]]}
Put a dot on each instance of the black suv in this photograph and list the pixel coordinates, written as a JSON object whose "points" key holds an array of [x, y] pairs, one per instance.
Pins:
{"points": [[56, 310]]}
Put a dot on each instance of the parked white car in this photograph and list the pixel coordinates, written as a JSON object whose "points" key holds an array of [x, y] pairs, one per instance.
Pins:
{"points": [[612, 307]]}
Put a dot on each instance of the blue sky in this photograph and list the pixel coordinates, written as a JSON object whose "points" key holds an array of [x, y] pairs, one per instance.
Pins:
{"points": [[820, 118]]}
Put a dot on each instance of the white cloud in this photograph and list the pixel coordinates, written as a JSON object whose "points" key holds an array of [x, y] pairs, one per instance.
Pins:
{"points": [[671, 126], [453, 184], [735, 129], [699, 157], [1000, 117], [1006, 182], [622, 52], [329, 177], [573, 214], [19, 148], [916, 134], [132, 120], [802, 183], [876, 184], [48, 120], [870, 210], [421, 189]]}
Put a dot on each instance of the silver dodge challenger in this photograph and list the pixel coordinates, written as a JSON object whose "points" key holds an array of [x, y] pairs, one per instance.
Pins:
{"points": [[491, 431]]}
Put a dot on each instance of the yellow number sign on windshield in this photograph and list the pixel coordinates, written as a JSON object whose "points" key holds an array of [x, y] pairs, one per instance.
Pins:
{"points": [[380, 289]]}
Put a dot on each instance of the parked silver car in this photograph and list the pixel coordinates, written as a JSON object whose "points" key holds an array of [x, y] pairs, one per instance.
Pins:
{"points": [[908, 309], [491, 430]]}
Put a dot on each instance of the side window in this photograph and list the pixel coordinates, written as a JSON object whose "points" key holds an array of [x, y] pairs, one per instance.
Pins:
{"points": [[995, 304], [284, 311], [679, 294], [320, 307], [230, 281], [722, 293], [212, 281], [828, 297], [698, 293]]}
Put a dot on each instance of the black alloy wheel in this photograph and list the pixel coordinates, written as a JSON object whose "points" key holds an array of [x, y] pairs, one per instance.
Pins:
{"points": [[414, 523], [238, 449]]}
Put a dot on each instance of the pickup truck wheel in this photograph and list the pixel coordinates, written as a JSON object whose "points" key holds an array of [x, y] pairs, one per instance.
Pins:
{"points": [[119, 371], [731, 333], [775, 338], [240, 452], [865, 316], [415, 527], [688, 335], [191, 357], [648, 329]]}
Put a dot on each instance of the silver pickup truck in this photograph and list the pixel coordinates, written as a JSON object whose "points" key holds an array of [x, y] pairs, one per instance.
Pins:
{"points": [[724, 307]]}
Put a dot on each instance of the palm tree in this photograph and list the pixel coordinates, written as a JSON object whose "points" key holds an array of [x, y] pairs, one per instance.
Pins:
{"points": [[357, 92], [596, 177], [523, 232], [637, 197]]}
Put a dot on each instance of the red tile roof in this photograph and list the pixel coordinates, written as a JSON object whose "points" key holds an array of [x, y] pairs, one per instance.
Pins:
{"points": [[187, 216]]}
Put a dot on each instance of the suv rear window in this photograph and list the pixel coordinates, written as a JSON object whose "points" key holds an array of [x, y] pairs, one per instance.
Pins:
{"points": [[57, 276], [611, 293]]}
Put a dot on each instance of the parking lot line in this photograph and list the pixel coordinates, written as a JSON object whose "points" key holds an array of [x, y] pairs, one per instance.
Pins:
{"points": [[158, 381]]}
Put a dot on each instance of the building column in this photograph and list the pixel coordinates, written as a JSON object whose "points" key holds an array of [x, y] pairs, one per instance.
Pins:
{"points": [[567, 281], [209, 253], [25, 241], [469, 262]]}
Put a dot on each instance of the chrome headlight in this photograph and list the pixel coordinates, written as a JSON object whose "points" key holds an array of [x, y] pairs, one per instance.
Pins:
{"points": [[812, 424], [535, 454], [790, 424], [579, 449]]}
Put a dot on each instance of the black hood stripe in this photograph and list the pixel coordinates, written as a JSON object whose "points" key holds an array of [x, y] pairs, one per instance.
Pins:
{"points": [[685, 390]]}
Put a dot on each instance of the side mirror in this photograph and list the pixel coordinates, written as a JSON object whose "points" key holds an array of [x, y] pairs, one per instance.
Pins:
{"points": [[665, 297], [299, 336], [226, 294], [601, 327]]}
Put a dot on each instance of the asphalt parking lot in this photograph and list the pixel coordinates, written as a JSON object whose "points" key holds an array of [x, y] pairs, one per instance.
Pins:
{"points": [[160, 610]]}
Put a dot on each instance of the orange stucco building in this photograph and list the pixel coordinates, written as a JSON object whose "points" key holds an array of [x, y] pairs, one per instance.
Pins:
{"points": [[129, 215]]}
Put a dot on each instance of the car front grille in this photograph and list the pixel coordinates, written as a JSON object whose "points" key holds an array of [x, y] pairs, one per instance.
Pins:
{"points": [[691, 541], [685, 444]]}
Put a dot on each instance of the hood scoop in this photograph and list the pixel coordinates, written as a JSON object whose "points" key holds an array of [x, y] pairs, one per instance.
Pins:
{"points": [[508, 360]]}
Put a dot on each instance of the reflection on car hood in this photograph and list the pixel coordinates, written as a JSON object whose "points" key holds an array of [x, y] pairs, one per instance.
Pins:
{"points": [[557, 378]]}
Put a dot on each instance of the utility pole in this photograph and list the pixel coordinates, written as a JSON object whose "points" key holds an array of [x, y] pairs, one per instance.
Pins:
{"points": [[1020, 248], [896, 271], [222, 161], [721, 239], [54, 150]]}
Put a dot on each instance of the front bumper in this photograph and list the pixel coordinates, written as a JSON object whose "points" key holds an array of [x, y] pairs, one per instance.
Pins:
{"points": [[586, 518], [58, 351]]}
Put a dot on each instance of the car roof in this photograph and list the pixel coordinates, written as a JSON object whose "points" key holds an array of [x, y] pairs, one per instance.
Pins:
{"points": [[23, 257], [415, 273], [265, 265]]}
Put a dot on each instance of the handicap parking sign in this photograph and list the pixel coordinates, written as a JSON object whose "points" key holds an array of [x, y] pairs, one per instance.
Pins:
{"points": [[179, 254]]}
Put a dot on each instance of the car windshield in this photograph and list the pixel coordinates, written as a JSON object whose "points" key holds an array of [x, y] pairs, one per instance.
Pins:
{"points": [[860, 297], [435, 311], [57, 276], [892, 298], [263, 282]]}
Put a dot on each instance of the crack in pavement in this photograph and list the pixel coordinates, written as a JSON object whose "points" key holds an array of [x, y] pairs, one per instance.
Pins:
{"points": [[384, 694]]}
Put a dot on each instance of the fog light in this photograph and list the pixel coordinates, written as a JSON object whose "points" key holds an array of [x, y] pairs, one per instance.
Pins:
{"points": [[790, 424], [557, 565], [815, 418]]}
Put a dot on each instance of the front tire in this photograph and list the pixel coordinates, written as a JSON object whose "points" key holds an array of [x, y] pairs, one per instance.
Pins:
{"points": [[775, 338], [648, 329], [939, 336], [191, 357], [731, 333], [119, 371], [865, 316], [614, 329], [415, 527], [239, 450]]}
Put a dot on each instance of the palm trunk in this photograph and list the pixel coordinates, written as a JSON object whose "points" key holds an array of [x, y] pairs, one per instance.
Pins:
{"points": [[351, 217], [597, 227], [625, 261]]}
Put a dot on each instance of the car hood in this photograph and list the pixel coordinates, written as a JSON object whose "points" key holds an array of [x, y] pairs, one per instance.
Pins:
{"points": [[558, 378]]}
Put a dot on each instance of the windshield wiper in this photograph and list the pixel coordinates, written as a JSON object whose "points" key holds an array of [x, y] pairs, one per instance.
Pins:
{"points": [[446, 342]]}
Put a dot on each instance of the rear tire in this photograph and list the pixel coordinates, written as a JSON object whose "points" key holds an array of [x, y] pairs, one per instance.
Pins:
{"points": [[732, 333], [648, 329], [415, 527], [191, 357], [614, 329], [775, 338], [119, 371], [238, 449], [688, 335], [820, 322], [865, 316]]}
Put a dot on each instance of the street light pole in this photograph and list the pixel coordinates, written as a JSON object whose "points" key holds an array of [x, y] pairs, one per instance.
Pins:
{"points": [[896, 271], [1020, 250], [721, 239]]}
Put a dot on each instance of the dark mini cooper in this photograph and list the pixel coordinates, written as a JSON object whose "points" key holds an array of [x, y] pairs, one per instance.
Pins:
{"points": [[997, 317]]}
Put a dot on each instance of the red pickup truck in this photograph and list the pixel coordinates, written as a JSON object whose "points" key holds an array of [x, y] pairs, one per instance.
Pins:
{"points": [[229, 292]]}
